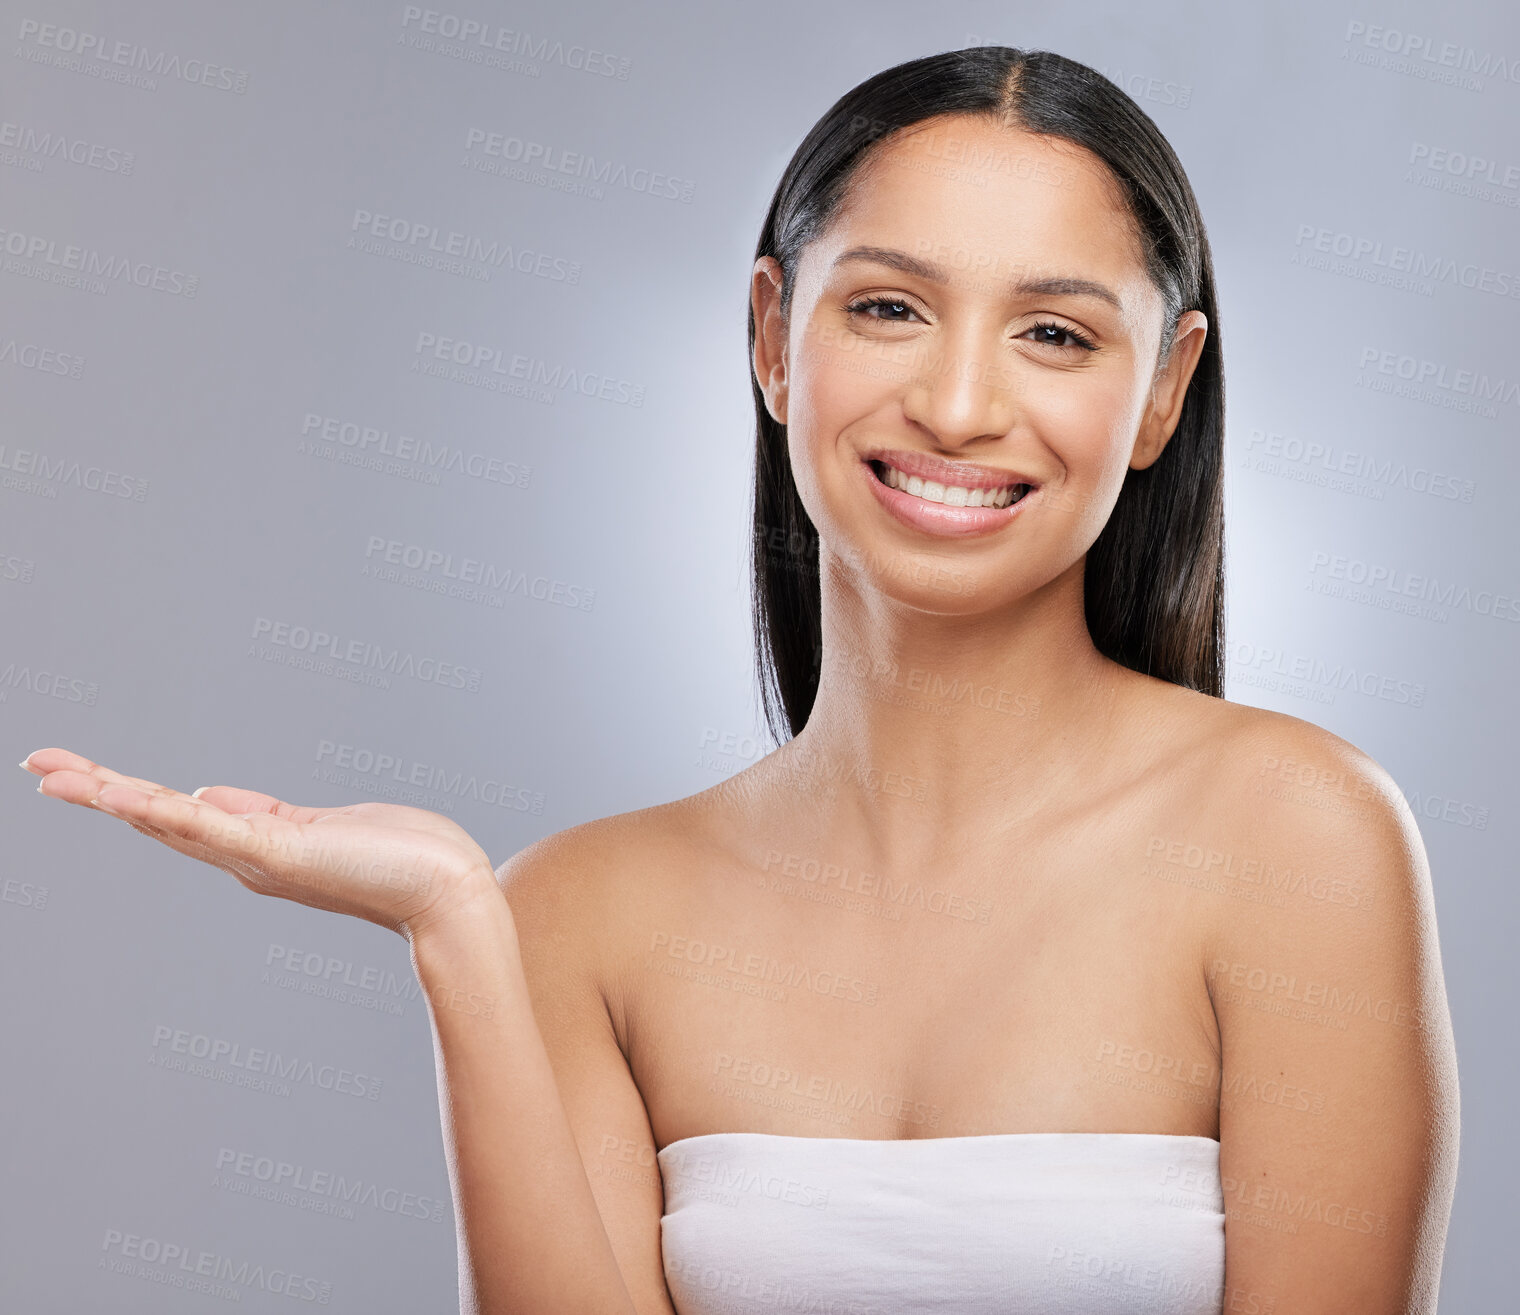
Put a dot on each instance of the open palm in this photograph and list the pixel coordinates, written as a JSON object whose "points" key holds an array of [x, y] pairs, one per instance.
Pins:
{"points": [[392, 865]]}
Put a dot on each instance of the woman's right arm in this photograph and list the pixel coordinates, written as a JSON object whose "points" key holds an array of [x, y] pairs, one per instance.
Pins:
{"points": [[549, 1148], [537, 1099]]}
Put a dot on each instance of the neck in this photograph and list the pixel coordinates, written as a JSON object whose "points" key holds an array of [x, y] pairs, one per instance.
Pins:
{"points": [[932, 733]]}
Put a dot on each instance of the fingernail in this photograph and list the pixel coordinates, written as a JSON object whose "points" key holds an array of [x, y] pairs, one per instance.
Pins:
{"points": [[23, 763], [196, 794], [104, 807]]}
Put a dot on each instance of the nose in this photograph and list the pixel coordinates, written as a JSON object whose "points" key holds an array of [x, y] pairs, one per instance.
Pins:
{"points": [[964, 390]]}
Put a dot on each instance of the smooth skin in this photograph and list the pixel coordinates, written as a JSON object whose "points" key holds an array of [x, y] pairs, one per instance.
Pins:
{"points": [[1078, 900]]}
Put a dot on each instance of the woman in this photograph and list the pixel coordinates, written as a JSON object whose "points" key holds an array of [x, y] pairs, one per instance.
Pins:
{"points": [[1028, 973]]}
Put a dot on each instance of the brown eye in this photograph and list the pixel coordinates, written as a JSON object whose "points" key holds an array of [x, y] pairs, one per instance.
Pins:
{"points": [[863, 307], [1049, 327]]}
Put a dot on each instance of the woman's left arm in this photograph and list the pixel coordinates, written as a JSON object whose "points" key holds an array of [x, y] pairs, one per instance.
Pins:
{"points": [[1339, 1109]]}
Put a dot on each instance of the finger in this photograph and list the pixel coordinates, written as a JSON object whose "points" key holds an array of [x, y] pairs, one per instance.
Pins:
{"points": [[43, 761], [82, 782], [252, 847], [49, 761], [55, 759], [211, 842], [81, 787], [181, 817], [232, 799], [76, 787]]}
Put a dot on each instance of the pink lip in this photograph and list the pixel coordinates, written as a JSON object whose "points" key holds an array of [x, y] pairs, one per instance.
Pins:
{"points": [[938, 519]]}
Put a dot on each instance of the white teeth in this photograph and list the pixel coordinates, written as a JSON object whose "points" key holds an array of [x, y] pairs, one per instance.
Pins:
{"points": [[952, 495]]}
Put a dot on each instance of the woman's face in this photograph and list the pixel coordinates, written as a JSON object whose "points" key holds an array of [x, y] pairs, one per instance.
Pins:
{"points": [[960, 443]]}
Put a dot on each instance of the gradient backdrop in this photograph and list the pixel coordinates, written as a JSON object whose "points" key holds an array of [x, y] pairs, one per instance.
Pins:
{"points": [[376, 425]]}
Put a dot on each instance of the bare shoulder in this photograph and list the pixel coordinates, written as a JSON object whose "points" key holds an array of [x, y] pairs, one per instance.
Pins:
{"points": [[1339, 1107], [580, 896], [1289, 785], [1308, 844], [595, 871]]}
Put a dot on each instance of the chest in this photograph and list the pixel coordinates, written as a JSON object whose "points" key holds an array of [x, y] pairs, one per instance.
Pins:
{"points": [[798, 995]]}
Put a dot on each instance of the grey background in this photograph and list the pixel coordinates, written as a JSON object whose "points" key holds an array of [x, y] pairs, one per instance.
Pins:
{"points": [[129, 629]]}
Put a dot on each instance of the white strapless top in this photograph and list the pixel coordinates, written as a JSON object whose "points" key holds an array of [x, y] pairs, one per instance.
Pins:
{"points": [[1062, 1223]]}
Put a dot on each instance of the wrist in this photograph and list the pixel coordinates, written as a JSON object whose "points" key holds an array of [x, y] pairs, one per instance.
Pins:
{"points": [[474, 907], [467, 962]]}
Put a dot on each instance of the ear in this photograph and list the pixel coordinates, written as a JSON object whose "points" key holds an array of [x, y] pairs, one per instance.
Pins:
{"points": [[770, 335], [1168, 390]]}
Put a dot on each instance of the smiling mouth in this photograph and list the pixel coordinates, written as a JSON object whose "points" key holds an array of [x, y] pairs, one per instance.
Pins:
{"points": [[950, 495]]}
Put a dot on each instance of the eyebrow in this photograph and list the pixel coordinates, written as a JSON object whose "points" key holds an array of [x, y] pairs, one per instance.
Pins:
{"points": [[1053, 286]]}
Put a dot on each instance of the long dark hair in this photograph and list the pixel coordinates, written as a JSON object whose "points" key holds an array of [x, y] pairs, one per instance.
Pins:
{"points": [[1154, 579]]}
